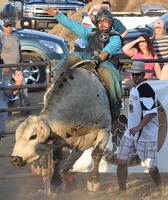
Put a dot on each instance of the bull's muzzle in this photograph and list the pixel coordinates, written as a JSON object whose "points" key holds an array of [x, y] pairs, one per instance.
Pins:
{"points": [[18, 161]]}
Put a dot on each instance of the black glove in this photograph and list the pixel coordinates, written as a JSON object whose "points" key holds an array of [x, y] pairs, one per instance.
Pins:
{"points": [[97, 61]]}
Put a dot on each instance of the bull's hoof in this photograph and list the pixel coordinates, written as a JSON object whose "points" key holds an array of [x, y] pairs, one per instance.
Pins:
{"points": [[94, 187], [69, 183]]}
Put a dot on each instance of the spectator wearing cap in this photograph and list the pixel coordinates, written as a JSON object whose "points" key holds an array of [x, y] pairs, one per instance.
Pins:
{"points": [[117, 24], [160, 45], [10, 52], [10, 44]]}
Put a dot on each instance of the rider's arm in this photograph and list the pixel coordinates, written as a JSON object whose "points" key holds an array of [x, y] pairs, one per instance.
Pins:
{"points": [[82, 31], [114, 46]]}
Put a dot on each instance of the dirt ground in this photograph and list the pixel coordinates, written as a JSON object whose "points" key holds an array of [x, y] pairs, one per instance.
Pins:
{"points": [[20, 183], [28, 188]]}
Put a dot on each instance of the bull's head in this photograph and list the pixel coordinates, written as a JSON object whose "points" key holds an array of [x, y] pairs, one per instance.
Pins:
{"points": [[30, 137]]}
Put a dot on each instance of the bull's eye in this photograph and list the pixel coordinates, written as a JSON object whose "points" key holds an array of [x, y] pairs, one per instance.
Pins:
{"points": [[33, 137]]}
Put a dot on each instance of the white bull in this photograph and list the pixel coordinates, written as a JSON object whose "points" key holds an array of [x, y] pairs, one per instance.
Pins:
{"points": [[76, 110]]}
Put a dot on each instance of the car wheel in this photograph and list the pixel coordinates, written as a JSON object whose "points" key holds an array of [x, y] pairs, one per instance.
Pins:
{"points": [[33, 74]]}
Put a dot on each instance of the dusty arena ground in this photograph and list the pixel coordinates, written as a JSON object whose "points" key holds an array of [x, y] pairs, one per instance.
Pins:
{"points": [[20, 183]]}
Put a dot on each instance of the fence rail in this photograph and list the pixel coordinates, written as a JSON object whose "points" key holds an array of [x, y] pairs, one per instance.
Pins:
{"points": [[143, 60], [38, 107], [47, 65], [19, 87], [44, 63]]}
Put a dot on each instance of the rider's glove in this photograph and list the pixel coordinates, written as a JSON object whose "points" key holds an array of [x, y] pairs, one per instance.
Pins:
{"points": [[97, 61]]}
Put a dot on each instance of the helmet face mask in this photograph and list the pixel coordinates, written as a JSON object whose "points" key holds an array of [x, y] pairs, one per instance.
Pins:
{"points": [[104, 14]]}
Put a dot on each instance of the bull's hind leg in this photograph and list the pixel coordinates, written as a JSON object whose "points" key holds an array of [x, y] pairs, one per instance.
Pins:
{"points": [[93, 183]]}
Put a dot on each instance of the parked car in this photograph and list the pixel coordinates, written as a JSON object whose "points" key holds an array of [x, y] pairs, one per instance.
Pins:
{"points": [[37, 46], [154, 10], [33, 17]]}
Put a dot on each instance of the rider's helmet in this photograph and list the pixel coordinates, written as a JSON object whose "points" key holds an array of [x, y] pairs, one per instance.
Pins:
{"points": [[105, 14]]}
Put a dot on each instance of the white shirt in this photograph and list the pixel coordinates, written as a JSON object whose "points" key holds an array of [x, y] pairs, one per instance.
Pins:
{"points": [[142, 102]]}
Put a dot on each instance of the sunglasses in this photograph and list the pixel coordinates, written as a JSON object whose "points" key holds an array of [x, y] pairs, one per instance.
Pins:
{"points": [[9, 25], [142, 41], [136, 74]]}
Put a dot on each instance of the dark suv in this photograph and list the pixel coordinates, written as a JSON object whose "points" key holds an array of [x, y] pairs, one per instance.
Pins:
{"points": [[38, 46], [33, 17]]}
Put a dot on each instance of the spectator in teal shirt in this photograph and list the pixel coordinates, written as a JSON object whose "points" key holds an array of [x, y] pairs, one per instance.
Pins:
{"points": [[117, 24]]}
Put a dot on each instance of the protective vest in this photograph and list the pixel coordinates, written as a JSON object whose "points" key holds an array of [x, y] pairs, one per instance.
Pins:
{"points": [[97, 41]]}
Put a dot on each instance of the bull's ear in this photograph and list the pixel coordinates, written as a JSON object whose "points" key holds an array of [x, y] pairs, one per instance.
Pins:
{"points": [[43, 130]]}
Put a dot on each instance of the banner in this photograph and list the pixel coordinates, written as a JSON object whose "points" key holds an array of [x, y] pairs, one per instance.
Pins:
{"points": [[109, 162]]}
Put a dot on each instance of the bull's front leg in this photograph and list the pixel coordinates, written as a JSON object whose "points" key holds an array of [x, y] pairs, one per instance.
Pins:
{"points": [[93, 183], [56, 180], [68, 184]]}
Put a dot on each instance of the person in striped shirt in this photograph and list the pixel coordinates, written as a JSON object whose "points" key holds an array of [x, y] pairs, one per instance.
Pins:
{"points": [[160, 45]]}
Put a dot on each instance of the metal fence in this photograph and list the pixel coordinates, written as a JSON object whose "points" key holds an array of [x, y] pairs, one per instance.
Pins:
{"points": [[47, 65]]}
